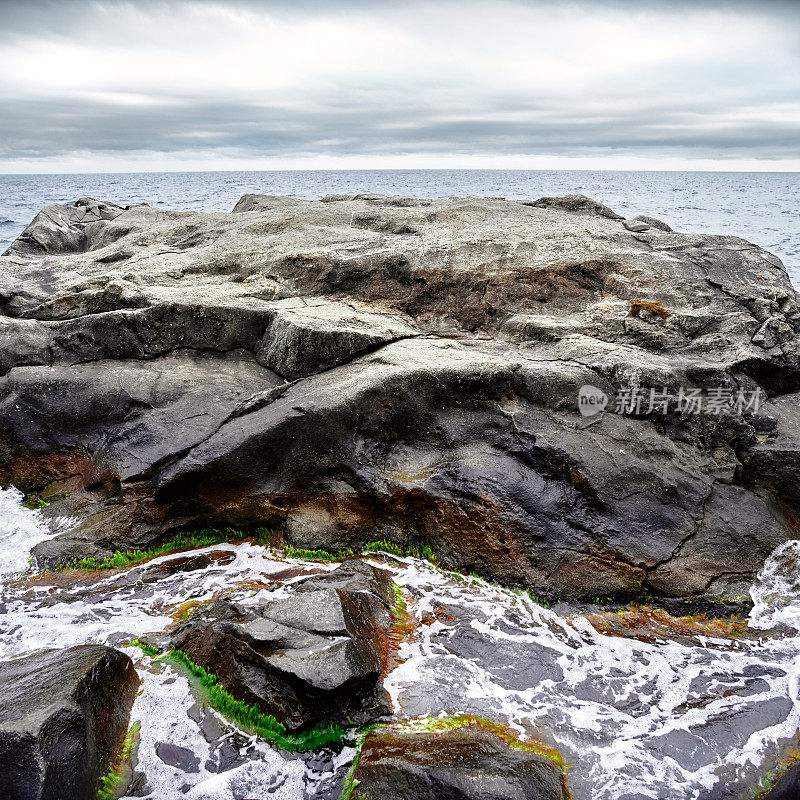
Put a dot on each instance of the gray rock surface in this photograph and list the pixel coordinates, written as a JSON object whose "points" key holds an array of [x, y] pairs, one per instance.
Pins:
{"points": [[577, 203], [466, 763], [652, 222], [63, 714], [314, 656], [376, 367], [66, 229]]}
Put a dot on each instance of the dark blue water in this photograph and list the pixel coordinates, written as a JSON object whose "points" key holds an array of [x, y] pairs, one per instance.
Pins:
{"points": [[761, 207]]}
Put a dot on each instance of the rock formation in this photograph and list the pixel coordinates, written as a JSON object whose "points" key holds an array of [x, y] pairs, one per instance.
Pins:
{"points": [[312, 657], [464, 763], [63, 714], [392, 368]]}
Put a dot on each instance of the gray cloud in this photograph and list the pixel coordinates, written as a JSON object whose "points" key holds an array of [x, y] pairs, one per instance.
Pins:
{"points": [[266, 132], [176, 78]]}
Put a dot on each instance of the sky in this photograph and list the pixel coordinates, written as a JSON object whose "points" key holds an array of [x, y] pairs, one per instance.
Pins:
{"points": [[94, 85]]}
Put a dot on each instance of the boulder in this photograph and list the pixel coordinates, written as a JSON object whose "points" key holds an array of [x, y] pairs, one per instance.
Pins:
{"points": [[314, 656], [63, 714], [342, 383], [465, 763]]}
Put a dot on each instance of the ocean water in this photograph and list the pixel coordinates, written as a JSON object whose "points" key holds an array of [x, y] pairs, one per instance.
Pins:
{"points": [[763, 208]]}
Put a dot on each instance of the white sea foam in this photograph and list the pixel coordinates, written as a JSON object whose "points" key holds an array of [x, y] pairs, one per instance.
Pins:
{"points": [[635, 719], [165, 708], [20, 530], [776, 591]]}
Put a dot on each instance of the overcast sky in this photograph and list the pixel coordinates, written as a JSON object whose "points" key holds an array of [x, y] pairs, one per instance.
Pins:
{"points": [[94, 86]]}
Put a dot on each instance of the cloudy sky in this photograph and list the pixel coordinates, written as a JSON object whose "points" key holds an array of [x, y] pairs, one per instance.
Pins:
{"points": [[100, 85]]}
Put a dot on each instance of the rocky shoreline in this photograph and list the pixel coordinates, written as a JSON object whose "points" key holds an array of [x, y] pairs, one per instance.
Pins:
{"points": [[405, 371], [372, 368]]}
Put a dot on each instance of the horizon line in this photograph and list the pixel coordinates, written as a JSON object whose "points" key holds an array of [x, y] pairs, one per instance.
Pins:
{"points": [[740, 171]]}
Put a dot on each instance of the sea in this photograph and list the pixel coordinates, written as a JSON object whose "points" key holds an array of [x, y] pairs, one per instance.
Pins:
{"points": [[762, 207]]}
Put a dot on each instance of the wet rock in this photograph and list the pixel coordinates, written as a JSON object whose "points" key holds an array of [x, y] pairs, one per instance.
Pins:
{"points": [[178, 757], [138, 785], [786, 787], [281, 367], [64, 550], [312, 657], [185, 563], [775, 460], [468, 763], [63, 714], [353, 576], [506, 663]]}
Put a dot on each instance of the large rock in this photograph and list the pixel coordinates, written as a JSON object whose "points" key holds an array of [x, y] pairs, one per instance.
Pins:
{"points": [[465, 763], [64, 229], [63, 714], [373, 367], [315, 656]]}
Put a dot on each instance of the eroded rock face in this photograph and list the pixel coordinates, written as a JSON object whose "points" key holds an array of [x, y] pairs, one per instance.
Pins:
{"points": [[395, 368], [63, 714], [466, 763], [312, 657]]}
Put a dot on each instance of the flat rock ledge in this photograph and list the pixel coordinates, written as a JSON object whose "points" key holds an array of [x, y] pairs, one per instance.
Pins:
{"points": [[63, 714], [368, 367]]}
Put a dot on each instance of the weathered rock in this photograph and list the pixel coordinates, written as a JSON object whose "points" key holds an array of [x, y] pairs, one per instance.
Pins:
{"points": [[315, 656], [577, 203], [304, 338], [64, 229], [375, 221], [635, 225], [63, 714], [774, 461], [282, 366], [652, 222], [466, 763]]}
